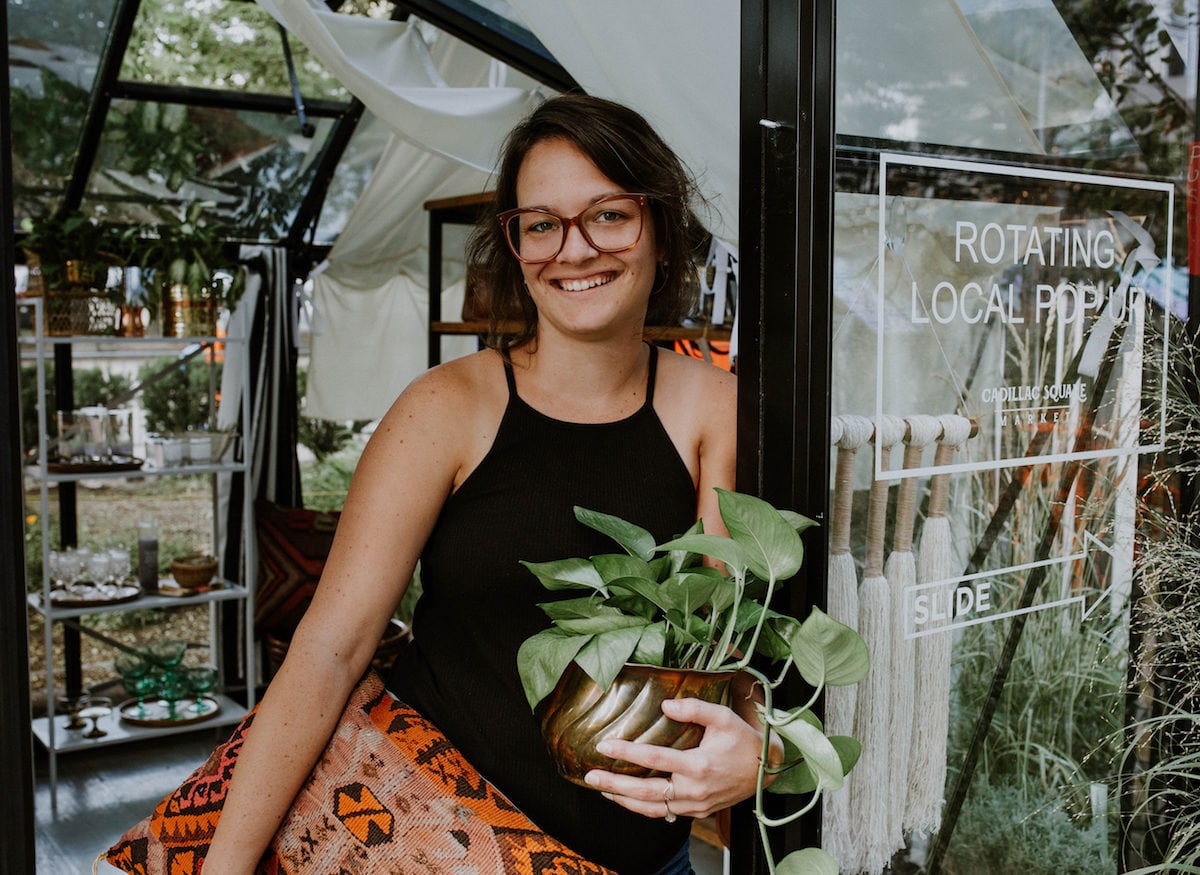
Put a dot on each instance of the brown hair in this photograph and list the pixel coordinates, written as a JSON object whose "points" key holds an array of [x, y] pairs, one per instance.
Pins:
{"points": [[623, 146]]}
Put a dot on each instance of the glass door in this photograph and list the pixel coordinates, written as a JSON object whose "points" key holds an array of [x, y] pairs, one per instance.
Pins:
{"points": [[1010, 289]]}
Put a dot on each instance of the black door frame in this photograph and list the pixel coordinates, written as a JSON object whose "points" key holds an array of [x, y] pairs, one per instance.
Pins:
{"points": [[785, 281]]}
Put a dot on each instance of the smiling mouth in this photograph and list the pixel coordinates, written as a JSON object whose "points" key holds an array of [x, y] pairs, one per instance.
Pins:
{"points": [[583, 284]]}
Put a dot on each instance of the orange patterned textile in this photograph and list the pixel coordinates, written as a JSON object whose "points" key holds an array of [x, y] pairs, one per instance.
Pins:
{"points": [[390, 794]]}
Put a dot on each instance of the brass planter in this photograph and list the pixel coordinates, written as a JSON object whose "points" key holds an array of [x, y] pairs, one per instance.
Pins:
{"points": [[578, 715], [189, 313]]}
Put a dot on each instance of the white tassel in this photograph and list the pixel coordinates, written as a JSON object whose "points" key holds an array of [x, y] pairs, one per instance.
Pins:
{"points": [[853, 432], [872, 718], [901, 572], [927, 768]]}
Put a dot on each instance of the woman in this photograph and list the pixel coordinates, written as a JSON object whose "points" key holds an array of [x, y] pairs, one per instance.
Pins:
{"points": [[477, 466]]}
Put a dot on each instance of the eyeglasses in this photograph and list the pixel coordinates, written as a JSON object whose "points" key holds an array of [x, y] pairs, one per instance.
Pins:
{"points": [[613, 224]]}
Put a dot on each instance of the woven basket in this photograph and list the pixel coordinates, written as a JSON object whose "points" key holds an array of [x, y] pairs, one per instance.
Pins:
{"points": [[80, 312]]}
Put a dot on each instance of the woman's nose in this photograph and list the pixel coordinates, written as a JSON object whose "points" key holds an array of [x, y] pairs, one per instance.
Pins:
{"points": [[576, 247]]}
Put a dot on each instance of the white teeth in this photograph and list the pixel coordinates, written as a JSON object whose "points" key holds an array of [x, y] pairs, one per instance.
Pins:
{"points": [[581, 285]]}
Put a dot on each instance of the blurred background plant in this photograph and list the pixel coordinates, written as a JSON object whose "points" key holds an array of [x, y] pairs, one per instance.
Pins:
{"points": [[1163, 750]]}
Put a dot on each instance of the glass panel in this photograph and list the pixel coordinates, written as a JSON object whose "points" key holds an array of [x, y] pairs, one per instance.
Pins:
{"points": [[225, 44], [1011, 237], [54, 52], [351, 176], [255, 166]]}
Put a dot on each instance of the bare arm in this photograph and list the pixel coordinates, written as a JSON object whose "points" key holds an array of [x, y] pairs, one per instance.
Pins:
{"points": [[404, 476]]}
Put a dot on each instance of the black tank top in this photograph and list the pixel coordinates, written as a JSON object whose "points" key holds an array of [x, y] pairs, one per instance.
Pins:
{"points": [[479, 604]]}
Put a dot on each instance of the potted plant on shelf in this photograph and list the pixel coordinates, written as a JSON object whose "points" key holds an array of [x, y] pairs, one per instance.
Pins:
{"points": [[185, 260], [656, 622]]}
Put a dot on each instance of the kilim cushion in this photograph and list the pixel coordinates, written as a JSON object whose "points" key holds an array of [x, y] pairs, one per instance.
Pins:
{"points": [[389, 794]]}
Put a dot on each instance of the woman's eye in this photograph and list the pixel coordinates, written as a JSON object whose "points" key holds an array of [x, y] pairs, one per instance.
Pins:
{"points": [[608, 217], [543, 226]]}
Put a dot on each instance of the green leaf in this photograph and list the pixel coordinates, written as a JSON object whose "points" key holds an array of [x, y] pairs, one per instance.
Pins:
{"points": [[772, 546], [798, 521], [820, 756], [613, 566], [543, 658], [635, 540], [680, 559], [570, 609], [828, 652], [573, 573], [603, 656], [600, 624], [808, 861], [717, 546], [652, 646], [800, 778]]}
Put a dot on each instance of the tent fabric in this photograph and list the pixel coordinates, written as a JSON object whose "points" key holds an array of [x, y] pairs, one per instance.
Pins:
{"points": [[388, 66], [448, 106], [676, 63], [366, 321]]}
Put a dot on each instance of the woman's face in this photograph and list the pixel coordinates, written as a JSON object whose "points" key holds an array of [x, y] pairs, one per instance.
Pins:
{"points": [[583, 291]]}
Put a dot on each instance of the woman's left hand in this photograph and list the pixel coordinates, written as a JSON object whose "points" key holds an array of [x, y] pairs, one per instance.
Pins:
{"points": [[720, 772]]}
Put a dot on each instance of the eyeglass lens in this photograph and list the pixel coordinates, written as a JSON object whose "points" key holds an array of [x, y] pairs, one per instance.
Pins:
{"points": [[611, 225]]}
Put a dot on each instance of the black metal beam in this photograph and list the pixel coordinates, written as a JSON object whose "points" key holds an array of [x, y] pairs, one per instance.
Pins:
{"points": [[310, 208], [494, 35], [99, 101], [222, 99], [785, 282], [16, 754]]}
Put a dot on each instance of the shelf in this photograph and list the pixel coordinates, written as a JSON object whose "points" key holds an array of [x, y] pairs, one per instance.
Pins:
{"points": [[144, 602], [120, 732], [113, 343], [177, 471]]}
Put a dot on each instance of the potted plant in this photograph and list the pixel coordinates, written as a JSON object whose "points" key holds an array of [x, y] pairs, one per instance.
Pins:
{"points": [[658, 609], [184, 260]]}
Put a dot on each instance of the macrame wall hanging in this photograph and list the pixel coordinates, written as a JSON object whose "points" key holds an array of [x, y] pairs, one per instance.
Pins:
{"points": [[848, 433], [927, 768], [872, 711], [901, 572], [900, 711]]}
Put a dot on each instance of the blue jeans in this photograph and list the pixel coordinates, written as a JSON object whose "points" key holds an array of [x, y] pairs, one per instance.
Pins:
{"points": [[681, 863]]}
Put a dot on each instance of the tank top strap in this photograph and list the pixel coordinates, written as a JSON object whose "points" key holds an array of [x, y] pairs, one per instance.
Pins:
{"points": [[511, 379], [650, 376]]}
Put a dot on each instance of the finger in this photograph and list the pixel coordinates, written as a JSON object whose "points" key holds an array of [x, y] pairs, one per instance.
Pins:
{"points": [[697, 711], [654, 757]]}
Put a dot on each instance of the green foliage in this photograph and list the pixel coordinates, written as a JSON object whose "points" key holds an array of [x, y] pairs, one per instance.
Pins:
{"points": [[1007, 830], [659, 604], [324, 483], [179, 399], [324, 437]]}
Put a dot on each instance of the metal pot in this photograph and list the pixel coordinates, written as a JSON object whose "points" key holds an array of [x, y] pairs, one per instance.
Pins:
{"points": [[578, 714]]}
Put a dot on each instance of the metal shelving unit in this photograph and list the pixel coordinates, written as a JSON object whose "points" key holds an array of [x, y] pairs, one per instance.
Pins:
{"points": [[50, 730]]}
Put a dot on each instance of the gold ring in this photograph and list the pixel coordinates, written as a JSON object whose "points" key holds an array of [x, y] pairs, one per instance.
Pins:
{"points": [[669, 817]]}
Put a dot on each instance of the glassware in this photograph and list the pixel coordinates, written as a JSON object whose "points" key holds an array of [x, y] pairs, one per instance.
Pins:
{"points": [[118, 564], [166, 653], [119, 432], [202, 680], [133, 670], [98, 567], [173, 687]]}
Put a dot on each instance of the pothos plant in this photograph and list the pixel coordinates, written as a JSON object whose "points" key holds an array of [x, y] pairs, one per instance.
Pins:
{"points": [[662, 604]]}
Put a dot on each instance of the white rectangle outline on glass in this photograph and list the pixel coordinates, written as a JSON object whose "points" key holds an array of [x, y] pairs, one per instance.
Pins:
{"points": [[886, 158]]}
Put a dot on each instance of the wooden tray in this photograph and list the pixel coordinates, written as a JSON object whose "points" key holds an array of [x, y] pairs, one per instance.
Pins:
{"points": [[118, 463], [156, 712], [125, 593]]}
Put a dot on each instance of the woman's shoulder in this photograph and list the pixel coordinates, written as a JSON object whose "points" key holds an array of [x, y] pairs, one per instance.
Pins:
{"points": [[467, 386], [695, 378]]}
